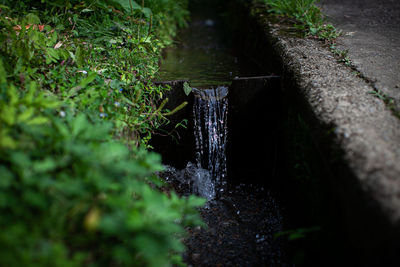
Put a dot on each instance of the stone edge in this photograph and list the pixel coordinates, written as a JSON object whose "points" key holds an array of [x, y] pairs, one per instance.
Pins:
{"points": [[364, 129]]}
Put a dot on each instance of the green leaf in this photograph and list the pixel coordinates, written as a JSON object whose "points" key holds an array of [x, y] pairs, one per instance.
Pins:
{"points": [[129, 5], [13, 95], [79, 124], [8, 115], [127, 100], [38, 120], [181, 106], [53, 54], [186, 88], [32, 19], [85, 10], [112, 151], [126, 5], [53, 39], [6, 141], [29, 96], [196, 201], [25, 115], [45, 165], [61, 128], [79, 56], [90, 78], [313, 31], [49, 102], [146, 11], [3, 73]]}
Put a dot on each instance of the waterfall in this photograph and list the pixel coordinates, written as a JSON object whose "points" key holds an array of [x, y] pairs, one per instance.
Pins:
{"points": [[207, 176], [210, 111]]}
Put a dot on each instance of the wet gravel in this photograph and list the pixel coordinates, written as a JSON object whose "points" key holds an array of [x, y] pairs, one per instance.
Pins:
{"points": [[241, 228]]}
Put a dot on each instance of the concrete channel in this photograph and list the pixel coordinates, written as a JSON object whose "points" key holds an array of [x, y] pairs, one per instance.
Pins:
{"points": [[337, 159], [355, 137]]}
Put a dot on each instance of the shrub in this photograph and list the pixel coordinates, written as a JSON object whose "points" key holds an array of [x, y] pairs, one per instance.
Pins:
{"points": [[70, 195], [74, 80]]}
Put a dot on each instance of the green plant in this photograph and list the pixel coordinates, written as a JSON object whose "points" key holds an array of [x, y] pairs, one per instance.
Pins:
{"points": [[69, 194], [342, 55], [187, 89], [77, 108], [297, 233], [74, 59], [306, 16], [303, 10], [390, 102]]}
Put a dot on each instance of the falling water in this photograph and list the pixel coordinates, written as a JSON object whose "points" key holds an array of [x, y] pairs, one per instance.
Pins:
{"points": [[210, 112], [207, 176]]}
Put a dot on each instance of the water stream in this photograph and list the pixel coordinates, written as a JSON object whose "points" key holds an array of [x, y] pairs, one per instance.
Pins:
{"points": [[206, 177], [203, 55], [210, 112], [242, 218], [200, 55]]}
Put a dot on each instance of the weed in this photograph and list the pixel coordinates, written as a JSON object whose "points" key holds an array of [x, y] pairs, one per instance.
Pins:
{"points": [[389, 101], [342, 55], [305, 16]]}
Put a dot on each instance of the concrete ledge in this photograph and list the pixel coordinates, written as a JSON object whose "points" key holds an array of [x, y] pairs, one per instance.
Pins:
{"points": [[362, 129]]}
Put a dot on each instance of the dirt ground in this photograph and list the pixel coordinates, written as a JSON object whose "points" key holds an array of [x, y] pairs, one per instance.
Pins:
{"points": [[243, 226], [241, 231]]}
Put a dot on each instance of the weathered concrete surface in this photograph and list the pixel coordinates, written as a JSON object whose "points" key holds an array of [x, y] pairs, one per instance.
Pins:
{"points": [[371, 33], [364, 131]]}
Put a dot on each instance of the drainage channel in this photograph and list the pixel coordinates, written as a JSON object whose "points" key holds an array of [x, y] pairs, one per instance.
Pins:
{"points": [[243, 217], [229, 152]]}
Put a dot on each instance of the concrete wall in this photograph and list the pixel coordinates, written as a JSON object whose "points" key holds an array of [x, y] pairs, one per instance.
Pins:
{"points": [[354, 136]]}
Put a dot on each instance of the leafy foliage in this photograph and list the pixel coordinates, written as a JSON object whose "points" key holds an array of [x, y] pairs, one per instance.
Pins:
{"points": [[77, 185], [306, 15]]}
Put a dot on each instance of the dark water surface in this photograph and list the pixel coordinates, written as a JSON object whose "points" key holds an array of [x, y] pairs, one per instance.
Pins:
{"points": [[203, 53]]}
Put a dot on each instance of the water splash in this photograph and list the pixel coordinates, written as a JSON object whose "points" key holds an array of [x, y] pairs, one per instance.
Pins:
{"points": [[191, 180], [210, 112]]}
